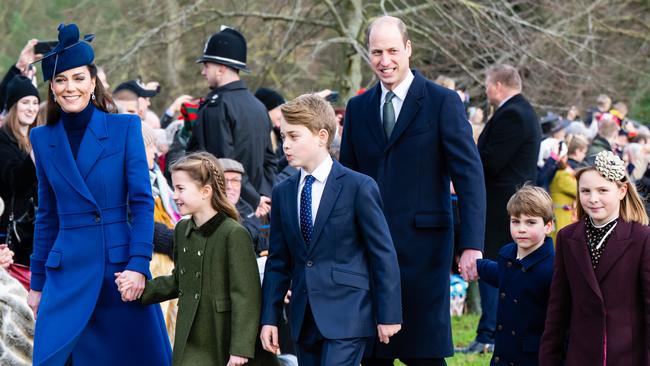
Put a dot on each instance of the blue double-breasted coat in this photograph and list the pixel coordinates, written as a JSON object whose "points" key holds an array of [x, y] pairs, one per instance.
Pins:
{"points": [[83, 236]]}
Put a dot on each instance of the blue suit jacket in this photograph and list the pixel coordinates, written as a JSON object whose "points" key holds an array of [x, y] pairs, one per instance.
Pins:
{"points": [[82, 236], [524, 287], [431, 144], [350, 253]]}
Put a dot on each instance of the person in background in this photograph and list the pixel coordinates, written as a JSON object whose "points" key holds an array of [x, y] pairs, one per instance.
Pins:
{"points": [[233, 171], [17, 172]]}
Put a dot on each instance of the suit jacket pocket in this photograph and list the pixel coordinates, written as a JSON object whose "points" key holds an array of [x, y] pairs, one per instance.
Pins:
{"points": [[349, 278], [530, 343], [118, 254], [222, 305], [53, 260], [431, 220]]}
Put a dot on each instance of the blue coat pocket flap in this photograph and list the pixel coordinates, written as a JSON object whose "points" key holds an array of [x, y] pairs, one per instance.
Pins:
{"points": [[53, 260], [349, 278], [530, 343], [429, 220], [118, 254]]}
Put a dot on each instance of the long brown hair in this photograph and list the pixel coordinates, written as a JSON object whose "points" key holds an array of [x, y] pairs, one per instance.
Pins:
{"points": [[205, 169], [12, 127], [632, 208], [103, 100]]}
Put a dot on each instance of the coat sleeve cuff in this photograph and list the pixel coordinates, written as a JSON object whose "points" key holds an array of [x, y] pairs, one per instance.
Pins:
{"points": [[139, 264], [37, 281]]}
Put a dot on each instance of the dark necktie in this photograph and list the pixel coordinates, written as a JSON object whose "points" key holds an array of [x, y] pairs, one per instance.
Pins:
{"points": [[306, 226], [389, 114]]}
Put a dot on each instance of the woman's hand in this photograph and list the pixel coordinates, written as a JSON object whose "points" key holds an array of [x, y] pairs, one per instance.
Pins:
{"points": [[236, 360], [33, 300], [130, 284], [6, 256]]}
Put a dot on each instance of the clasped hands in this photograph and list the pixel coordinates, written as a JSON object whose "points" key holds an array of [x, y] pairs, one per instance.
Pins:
{"points": [[130, 284]]}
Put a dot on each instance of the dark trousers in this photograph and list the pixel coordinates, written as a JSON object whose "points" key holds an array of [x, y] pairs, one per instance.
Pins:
{"points": [[312, 349], [406, 361], [488, 323]]}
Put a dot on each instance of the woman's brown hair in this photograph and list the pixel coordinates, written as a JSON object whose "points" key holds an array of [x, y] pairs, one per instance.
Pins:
{"points": [[103, 100], [632, 208], [205, 169], [12, 127]]}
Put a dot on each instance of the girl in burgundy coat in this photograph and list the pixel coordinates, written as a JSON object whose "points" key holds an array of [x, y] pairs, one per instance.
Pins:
{"points": [[599, 306]]}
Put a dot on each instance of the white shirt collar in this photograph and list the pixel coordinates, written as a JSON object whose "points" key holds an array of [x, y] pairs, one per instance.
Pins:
{"points": [[505, 100], [401, 90], [321, 172]]}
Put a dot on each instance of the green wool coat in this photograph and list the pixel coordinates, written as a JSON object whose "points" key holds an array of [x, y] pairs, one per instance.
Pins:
{"points": [[219, 297]]}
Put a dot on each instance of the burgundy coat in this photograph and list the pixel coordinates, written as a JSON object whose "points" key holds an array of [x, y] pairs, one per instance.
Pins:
{"points": [[605, 313]]}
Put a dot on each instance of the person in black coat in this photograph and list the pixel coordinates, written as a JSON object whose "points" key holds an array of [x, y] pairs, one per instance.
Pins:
{"points": [[232, 123], [17, 171], [509, 148]]}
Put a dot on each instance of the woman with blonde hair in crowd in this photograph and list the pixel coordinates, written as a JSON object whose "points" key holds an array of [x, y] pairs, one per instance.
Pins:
{"points": [[563, 188]]}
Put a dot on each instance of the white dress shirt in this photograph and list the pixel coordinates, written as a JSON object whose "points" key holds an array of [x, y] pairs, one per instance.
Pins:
{"points": [[400, 94], [320, 175]]}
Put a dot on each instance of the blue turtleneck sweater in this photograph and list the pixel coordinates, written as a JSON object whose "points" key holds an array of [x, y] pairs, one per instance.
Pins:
{"points": [[75, 126]]}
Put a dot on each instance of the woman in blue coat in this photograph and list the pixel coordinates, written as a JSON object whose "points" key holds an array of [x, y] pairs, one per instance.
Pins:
{"points": [[91, 166]]}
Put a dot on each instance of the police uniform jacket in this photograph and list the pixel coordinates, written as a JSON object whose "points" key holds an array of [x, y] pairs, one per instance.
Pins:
{"points": [[233, 124]]}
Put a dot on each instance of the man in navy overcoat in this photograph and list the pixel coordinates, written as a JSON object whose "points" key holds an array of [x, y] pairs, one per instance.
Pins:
{"points": [[413, 146]]}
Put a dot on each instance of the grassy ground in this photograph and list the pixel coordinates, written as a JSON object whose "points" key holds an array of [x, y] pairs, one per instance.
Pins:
{"points": [[464, 329]]}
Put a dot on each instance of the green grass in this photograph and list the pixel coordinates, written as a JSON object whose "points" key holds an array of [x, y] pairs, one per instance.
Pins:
{"points": [[464, 330]]}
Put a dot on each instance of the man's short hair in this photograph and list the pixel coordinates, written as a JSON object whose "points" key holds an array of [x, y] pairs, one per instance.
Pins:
{"points": [[531, 201], [607, 126], [126, 95], [401, 27], [505, 74], [603, 102], [313, 112]]}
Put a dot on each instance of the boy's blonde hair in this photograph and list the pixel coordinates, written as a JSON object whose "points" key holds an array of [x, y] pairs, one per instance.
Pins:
{"points": [[531, 201], [313, 112]]}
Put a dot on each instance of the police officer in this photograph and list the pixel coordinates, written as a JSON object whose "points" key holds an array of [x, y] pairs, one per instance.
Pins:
{"points": [[231, 122]]}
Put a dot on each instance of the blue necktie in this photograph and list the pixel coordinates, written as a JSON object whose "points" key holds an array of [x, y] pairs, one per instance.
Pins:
{"points": [[306, 226]]}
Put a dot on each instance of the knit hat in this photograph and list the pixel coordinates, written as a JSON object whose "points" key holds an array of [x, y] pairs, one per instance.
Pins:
{"points": [[18, 88], [230, 165], [69, 53], [148, 135], [269, 97]]}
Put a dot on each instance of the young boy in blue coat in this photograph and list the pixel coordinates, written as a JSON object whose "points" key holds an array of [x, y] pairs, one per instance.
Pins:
{"points": [[330, 243], [523, 274]]}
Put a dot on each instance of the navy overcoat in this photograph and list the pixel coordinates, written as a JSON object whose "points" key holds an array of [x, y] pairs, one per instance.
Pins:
{"points": [[431, 144], [83, 236]]}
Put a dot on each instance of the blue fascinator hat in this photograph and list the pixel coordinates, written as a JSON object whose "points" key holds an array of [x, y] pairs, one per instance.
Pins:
{"points": [[69, 53]]}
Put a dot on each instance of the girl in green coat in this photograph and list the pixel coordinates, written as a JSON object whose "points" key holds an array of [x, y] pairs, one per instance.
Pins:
{"points": [[215, 278]]}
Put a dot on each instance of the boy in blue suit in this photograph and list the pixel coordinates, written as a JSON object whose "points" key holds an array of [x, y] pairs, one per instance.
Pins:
{"points": [[523, 274], [330, 242]]}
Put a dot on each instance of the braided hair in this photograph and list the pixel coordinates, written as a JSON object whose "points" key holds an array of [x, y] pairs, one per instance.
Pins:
{"points": [[205, 169]]}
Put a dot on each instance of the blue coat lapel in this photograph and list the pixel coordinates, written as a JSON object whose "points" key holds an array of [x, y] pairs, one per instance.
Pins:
{"points": [[292, 206], [327, 201], [91, 147], [374, 118], [64, 163], [410, 108]]}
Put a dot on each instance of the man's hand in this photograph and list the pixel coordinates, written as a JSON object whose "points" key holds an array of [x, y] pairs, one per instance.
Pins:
{"points": [[269, 337], [287, 297], [385, 331], [236, 360], [175, 107], [467, 264], [264, 206]]}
